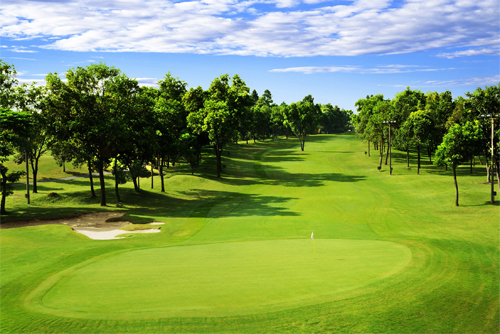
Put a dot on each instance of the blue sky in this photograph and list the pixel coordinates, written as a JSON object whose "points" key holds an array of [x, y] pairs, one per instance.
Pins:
{"points": [[337, 51]]}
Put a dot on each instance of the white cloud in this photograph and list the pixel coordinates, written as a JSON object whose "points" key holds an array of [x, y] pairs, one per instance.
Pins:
{"points": [[19, 49], [492, 80], [289, 29], [149, 82], [475, 82], [471, 52], [385, 69], [20, 58]]}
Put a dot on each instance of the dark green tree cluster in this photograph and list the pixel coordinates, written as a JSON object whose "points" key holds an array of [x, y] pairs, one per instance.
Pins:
{"points": [[454, 130], [100, 118]]}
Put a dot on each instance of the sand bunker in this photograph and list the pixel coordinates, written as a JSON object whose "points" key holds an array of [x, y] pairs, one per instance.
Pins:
{"points": [[104, 234], [93, 225]]}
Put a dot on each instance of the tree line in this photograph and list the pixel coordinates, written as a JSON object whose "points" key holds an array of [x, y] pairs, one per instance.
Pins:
{"points": [[455, 131], [99, 118]]}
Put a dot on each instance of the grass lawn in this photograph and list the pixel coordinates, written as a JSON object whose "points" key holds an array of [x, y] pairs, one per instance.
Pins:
{"points": [[393, 253]]}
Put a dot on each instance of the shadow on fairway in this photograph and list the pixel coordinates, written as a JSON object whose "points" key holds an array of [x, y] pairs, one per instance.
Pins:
{"points": [[230, 204], [487, 203]]}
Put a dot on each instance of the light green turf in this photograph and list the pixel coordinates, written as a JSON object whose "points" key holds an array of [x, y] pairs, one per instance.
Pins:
{"points": [[218, 279], [267, 197]]}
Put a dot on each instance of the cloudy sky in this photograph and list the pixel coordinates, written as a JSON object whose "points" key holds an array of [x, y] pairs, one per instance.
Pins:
{"points": [[338, 51]]}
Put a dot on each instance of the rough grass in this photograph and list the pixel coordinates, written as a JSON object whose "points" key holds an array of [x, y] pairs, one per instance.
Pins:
{"points": [[273, 196]]}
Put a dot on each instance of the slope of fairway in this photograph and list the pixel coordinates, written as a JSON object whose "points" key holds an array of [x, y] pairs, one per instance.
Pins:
{"points": [[218, 279]]}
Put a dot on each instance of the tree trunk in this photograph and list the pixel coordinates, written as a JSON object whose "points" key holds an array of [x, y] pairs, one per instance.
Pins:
{"points": [[418, 167], [488, 169], [64, 166], [302, 140], [471, 166], [381, 157], [218, 156], [456, 184], [34, 168], [152, 175], [387, 154], [91, 178], [161, 176], [4, 190], [117, 193], [102, 183], [368, 148], [498, 174], [407, 157], [35, 188], [134, 181], [480, 161]]}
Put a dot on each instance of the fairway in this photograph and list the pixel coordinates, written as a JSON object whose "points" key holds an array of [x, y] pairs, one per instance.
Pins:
{"points": [[219, 279], [235, 255]]}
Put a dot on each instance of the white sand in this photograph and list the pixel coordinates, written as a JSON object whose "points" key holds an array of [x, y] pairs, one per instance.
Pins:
{"points": [[103, 234]]}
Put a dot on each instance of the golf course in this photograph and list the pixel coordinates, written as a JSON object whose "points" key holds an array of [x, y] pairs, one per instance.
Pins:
{"points": [[236, 254]]}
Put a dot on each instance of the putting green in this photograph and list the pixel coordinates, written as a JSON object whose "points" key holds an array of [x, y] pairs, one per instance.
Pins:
{"points": [[217, 279]]}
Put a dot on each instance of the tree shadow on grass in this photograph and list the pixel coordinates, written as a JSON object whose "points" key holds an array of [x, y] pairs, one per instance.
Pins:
{"points": [[241, 205], [487, 203]]}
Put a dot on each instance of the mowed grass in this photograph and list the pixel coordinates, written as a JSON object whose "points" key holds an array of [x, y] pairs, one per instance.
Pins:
{"points": [[217, 279], [235, 254]]}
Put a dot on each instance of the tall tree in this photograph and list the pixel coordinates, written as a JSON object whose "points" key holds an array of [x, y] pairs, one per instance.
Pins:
{"points": [[224, 113], [457, 147], [335, 120], [89, 109], [30, 99], [13, 134], [362, 122], [217, 121], [440, 108], [419, 127], [404, 104], [8, 82], [302, 118]]}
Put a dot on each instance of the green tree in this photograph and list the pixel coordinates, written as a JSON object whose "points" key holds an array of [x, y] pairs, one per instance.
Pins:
{"points": [[335, 120], [266, 99], [457, 147], [478, 104], [224, 114], [8, 82], [90, 110], [302, 118], [137, 130], [13, 134], [419, 127], [30, 98], [218, 122], [440, 108], [363, 123], [404, 104]]}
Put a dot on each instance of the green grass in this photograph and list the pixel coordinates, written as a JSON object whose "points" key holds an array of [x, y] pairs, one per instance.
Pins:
{"points": [[393, 252], [217, 279]]}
